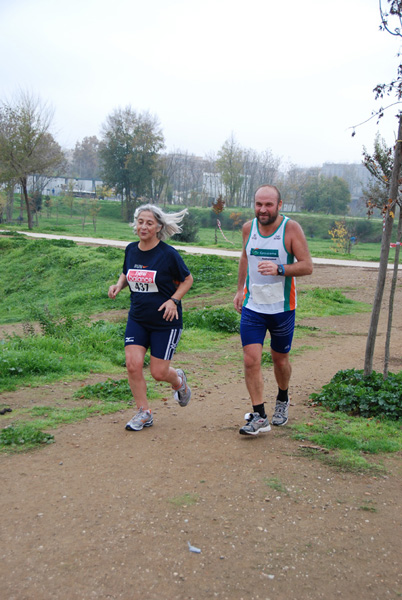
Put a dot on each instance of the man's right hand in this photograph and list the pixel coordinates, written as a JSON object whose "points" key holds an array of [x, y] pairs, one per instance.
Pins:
{"points": [[238, 301]]}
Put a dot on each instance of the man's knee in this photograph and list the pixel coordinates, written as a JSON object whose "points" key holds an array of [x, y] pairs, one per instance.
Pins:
{"points": [[252, 357], [281, 361]]}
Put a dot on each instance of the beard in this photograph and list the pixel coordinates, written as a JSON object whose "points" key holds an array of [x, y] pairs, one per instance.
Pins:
{"points": [[267, 220]]}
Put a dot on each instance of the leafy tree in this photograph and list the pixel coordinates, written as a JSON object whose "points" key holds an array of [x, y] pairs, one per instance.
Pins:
{"points": [[9, 190], [36, 204], [26, 145], [379, 164], [68, 196], [129, 151], [230, 165], [48, 202], [329, 195], [3, 203], [103, 191], [85, 163], [340, 237]]}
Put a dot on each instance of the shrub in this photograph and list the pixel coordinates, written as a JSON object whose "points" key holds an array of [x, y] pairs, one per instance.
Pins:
{"points": [[189, 231], [351, 392], [219, 319]]}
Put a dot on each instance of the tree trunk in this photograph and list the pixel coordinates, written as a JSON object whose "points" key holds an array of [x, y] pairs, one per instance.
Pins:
{"points": [[392, 296], [382, 270], [10, 202], [27, 203]]}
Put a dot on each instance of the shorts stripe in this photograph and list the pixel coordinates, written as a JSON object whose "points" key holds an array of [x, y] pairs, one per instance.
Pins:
{"points": [[162, 342], [174, 339]]}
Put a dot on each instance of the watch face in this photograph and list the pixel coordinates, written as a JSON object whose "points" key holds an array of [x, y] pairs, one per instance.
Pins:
{"points": [[280, 270]]}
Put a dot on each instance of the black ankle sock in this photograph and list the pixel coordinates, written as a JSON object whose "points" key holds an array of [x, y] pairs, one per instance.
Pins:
{"points": [[260, 410], [282, 395]]}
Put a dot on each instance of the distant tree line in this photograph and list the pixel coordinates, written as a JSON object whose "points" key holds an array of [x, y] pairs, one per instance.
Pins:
{"points": [[129, 158]]}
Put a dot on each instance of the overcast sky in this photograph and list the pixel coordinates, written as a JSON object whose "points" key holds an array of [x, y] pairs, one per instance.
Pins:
{"points": [[290, 76]]}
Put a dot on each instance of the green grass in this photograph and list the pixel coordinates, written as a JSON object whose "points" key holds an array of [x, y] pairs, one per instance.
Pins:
{"points": [[184, 500], [366, 252], [73, 352], [324, 302], [66, 283], [275, 484], [68, 278], [24, 427], [109, 225], [349, 440], [23, 437]]}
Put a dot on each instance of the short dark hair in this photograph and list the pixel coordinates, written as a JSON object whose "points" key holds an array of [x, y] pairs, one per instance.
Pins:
{"points": [[268, 185]]}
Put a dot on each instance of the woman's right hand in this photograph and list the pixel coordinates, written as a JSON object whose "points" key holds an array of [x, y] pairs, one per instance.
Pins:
{"points": [[113, 291]]}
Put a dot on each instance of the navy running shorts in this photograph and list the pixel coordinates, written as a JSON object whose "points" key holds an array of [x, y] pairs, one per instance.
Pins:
{"points": [[254, 327], [162, 342]]}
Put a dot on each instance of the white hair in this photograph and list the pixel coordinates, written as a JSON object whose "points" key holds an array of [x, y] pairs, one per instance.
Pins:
{"points": [[169, 222]]}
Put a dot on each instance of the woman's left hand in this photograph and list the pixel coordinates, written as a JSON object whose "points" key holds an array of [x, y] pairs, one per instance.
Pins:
{"points": [[170, 310]]}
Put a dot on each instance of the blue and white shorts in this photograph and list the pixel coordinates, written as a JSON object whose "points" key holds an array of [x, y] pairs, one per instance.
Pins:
{"points": [[162, 342]]}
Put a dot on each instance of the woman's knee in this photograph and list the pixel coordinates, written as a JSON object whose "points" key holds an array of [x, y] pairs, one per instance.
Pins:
{"points": [[134, 361], [134, 367], [159, 372]]}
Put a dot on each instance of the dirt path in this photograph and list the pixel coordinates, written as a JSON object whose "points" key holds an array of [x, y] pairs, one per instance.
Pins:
{"points": [[105, 513]]}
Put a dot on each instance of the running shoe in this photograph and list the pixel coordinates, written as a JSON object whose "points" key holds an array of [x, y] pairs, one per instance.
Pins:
{"points": [[143, 418], [255, 424], [281, 413], [183, 394]]}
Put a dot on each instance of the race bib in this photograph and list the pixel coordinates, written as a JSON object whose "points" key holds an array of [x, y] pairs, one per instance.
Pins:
{"points": [[141, 280], [269, 293]]}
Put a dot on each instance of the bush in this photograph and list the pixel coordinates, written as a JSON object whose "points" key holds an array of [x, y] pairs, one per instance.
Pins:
{"points": [[219, 319], [351, 392], [189, 231]]}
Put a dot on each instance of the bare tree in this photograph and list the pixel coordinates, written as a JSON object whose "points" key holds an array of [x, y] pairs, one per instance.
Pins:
{"points": [[85, 161], [27, 147], [394, 87]]}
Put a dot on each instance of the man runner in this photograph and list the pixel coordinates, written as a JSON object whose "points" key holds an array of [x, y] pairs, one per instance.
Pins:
{"points": [[275, 251]]}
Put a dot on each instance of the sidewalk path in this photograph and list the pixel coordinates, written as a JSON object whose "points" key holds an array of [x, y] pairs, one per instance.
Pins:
{"points": [[198, 250]]}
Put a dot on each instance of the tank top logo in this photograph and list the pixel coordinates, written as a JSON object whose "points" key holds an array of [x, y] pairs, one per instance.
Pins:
{"points": [[267, 253]]}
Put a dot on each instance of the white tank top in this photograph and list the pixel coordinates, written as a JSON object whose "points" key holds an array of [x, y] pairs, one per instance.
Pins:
{"points": [[268, 294]]}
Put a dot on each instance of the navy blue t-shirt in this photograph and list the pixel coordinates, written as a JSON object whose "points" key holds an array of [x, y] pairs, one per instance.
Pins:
{"points": [[153, 277]]}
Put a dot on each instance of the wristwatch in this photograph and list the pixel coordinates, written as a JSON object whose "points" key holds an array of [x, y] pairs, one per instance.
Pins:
{"points": [[281, 269], [177, 302]]}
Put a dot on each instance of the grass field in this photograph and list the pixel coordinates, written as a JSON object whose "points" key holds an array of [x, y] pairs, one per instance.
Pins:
{"points": [[113, 228], [65, 284]]}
